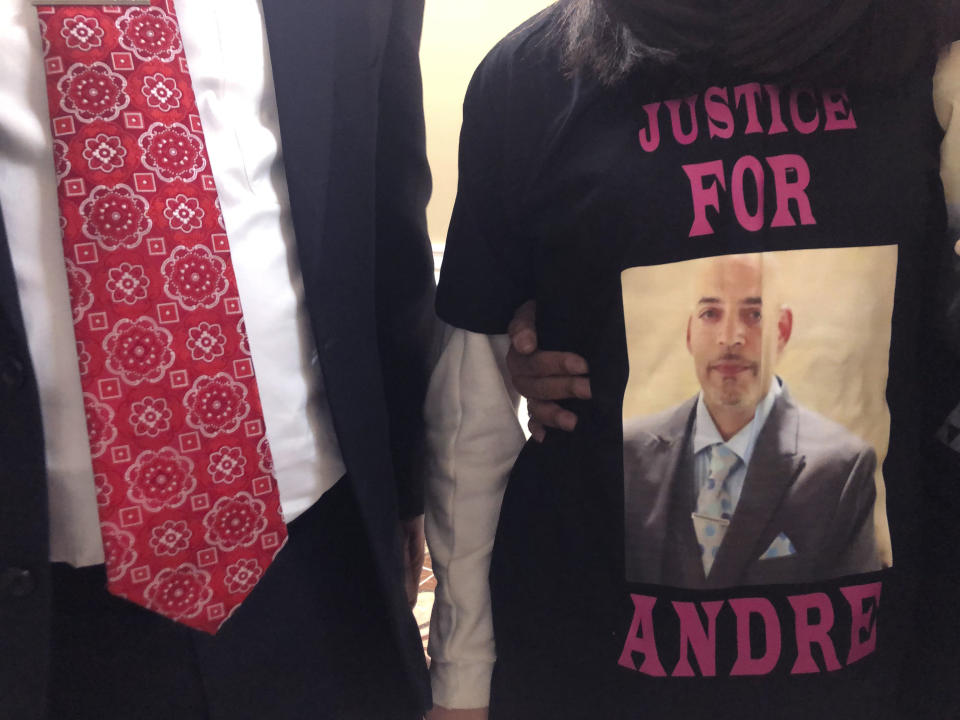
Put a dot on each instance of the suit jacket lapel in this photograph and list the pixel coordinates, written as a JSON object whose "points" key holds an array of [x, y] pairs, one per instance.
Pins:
{"points": [[302, 40], [11, 319], [660, 472], [773, 468]]}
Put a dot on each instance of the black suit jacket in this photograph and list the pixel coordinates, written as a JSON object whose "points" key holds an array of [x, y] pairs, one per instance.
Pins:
{"points": [[349, 96], [808, 478]]}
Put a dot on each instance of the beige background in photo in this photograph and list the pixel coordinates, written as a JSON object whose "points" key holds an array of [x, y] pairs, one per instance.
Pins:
{"points": [[457, 34], [835, 363]]}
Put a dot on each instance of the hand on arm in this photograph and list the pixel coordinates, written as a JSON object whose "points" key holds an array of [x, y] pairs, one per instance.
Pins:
{"points": [[542, 376]]}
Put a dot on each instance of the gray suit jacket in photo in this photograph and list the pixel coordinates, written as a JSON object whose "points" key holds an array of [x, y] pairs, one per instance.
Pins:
{"points": [[808, 478]]}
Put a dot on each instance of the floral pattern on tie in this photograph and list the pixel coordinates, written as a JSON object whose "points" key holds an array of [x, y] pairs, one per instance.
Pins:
{"points": [[189, 508]]}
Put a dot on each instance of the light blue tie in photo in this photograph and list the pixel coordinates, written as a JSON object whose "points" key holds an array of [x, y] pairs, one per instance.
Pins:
{"points": [[714, 504]]}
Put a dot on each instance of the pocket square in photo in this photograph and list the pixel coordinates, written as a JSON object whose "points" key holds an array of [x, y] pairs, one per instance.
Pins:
{"points": [[780, 547], [949, 434]]}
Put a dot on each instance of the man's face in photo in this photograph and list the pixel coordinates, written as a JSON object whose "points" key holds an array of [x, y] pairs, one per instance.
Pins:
{"points": [[726, 329]]}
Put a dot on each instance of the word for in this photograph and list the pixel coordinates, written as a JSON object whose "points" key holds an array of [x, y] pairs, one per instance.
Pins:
{"points": [[791, 175]]}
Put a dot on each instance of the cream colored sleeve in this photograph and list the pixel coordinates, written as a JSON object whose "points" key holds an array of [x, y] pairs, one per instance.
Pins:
{"points": [[473, 437], [946, 102]]}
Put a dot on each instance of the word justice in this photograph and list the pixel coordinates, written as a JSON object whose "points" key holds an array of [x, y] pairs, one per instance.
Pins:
{"points": [[812, 618], [759, 110]]}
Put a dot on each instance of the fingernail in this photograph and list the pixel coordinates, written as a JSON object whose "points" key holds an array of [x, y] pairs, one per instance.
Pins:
{"points": [[581, 388], [525, 343], [567, 421], [577, 366]]}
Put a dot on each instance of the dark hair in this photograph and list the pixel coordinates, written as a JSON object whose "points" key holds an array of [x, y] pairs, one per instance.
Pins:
{"points": [[856, 41]]}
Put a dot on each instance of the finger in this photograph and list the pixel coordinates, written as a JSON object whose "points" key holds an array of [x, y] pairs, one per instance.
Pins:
{"points": [[523, 328], [553, 388], [412, 590], [409, 551], [547, 362], [551, 415], [537, 431], [418, 558], [412, 585], [574, 364], [524, 341]]}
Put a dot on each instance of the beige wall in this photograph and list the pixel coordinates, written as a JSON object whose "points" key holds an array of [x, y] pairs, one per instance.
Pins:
{"points": [[456, 36]]}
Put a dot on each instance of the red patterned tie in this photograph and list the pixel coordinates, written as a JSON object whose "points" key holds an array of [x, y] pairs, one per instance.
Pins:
{"points": [[189, 509]]}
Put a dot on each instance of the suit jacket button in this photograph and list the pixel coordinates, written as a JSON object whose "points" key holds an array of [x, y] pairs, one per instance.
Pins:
{"points": [[16, 582], [11, 373]]}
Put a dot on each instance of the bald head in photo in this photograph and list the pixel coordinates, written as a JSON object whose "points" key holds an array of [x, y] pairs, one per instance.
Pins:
{"points": [[736, 332]]}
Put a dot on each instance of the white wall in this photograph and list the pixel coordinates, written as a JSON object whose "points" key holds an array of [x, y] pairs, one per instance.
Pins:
{"points": [[456, 36]]}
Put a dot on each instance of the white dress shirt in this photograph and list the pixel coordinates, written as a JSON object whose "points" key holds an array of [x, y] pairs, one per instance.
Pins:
{"points": [[705, 435], [225, 45]]}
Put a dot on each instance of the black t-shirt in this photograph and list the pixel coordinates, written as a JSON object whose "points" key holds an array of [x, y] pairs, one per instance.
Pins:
{"points": [[700, 241]]}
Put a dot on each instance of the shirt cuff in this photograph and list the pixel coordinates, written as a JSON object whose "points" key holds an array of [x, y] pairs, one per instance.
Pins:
{"points": [[461, 685]]}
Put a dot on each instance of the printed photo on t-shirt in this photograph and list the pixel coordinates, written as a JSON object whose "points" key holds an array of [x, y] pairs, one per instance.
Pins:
{"points": [[755, 421]]}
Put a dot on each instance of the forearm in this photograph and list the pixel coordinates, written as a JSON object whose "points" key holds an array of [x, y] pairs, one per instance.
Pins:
{"points": [[473, 438], [946, 91]]}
